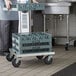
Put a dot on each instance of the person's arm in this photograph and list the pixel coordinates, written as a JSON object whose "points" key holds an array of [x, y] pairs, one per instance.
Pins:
{"points": [[8, 4]]}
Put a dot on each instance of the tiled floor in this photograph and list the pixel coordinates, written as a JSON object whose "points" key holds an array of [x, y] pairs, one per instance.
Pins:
{"points": [[30, 66]]}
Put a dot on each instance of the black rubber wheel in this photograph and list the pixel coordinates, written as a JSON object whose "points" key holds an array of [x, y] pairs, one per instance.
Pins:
{"points": [[67, 47], [47, 60], [39, 57], [9, 58], [16, 64], [75, 43]]}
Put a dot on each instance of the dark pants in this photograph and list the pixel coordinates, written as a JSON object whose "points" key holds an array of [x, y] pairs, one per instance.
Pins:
{"points": [[6, 30]]}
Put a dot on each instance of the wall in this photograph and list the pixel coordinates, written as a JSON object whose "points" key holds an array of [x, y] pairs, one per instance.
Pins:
{"points": [[37, 21]]}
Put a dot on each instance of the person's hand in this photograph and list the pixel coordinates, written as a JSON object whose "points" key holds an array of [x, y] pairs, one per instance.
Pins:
{"points": [[8, 4], [34, 1]]}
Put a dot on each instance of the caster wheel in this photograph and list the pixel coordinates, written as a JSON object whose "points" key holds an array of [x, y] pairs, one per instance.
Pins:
{"points": [[9, 58], [67, 47], [48, 60], [39, 57], [75, 43], [15, 63]]}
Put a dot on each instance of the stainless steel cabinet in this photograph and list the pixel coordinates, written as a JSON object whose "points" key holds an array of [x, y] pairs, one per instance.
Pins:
{"points": [[68, 0], [60, 0]]}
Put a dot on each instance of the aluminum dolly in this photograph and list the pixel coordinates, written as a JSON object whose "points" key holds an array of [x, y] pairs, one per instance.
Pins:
{"points": [[29, 44]]}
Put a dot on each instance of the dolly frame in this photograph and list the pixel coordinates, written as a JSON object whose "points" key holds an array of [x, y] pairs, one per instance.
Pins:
{"points": [[16, 59]]}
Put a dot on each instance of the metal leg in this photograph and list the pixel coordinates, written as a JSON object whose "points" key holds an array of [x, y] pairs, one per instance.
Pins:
{"points": [[55, 30], [44, 23], [67, 42], [29, 21], [67, 28], [55, 26]]}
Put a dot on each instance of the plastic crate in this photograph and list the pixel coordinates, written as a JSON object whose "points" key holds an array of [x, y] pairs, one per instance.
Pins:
{"points": [[30, 6], [31, 43]]}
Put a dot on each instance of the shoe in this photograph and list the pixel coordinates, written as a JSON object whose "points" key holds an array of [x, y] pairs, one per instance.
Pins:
{"points": [[6, 52], [2, 53]]}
